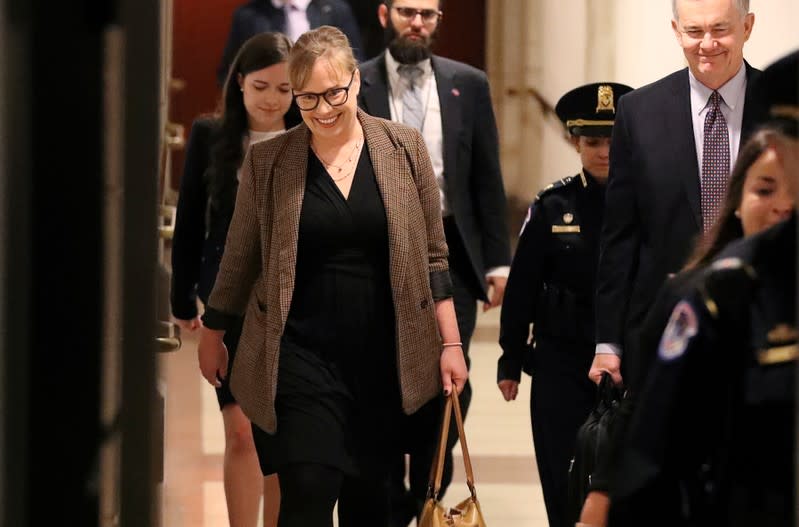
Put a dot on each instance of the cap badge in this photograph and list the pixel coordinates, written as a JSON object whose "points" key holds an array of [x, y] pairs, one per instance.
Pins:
{"points": [[568, 218], [604, 99]]}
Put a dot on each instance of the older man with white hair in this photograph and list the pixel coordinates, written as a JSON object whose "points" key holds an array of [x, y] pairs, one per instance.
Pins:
{"points": [[673, 147]]}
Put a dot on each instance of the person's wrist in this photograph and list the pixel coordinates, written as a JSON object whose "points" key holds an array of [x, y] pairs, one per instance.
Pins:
{"points": [[606, 348], [452, 345]]}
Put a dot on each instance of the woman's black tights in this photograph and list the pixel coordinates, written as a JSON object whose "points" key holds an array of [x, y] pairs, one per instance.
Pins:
{"points": [[308, 493]]}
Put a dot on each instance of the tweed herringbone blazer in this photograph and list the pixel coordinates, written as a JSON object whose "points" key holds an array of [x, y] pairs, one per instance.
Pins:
{"points": [[257, 273]]}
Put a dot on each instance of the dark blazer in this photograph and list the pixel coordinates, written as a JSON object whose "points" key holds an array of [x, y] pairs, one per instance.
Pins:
{"points": [[260, 16], [653, 213], [258, 267], [471, 156], [196, 246]]}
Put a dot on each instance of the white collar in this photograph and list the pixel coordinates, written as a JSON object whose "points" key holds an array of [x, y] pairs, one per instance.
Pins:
{"points": [[733, 91]]}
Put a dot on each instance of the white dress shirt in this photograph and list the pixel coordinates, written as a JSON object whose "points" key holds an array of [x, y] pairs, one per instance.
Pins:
{"points": [[432, 131], [296, 16], [733, 93], [432, 127]]}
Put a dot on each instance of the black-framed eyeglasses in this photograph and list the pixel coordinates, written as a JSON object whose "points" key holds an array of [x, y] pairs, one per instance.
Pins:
{"points": [[337, 96], [428, 15]]}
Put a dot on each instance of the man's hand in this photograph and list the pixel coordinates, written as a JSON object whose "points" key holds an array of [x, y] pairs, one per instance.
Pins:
{"points": [[606, 362], [595, 510], [509, 389], [496, 291]]}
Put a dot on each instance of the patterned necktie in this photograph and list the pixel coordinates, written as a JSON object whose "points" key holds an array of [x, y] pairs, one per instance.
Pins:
{"points": [[412, 107], [715, 162]]}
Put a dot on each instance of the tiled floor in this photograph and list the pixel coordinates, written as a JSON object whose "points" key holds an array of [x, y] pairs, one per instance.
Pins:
{"points": [[498, 432]]}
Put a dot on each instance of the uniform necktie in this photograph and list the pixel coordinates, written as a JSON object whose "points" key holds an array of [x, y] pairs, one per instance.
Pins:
{"points": [[412, 107], [715, 162]]}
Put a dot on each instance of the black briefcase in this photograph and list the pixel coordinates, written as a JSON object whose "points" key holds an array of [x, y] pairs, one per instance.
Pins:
{"points": [[594, 443]]}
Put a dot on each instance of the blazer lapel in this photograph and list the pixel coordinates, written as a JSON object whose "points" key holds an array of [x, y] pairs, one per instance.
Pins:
{"points": [[288, 183], [449, 96], [374, 89], [388, 162], [680, 134]]}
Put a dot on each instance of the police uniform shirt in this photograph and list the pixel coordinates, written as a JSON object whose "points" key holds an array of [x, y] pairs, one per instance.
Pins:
{"points": [[551, 283], [715, 422]]}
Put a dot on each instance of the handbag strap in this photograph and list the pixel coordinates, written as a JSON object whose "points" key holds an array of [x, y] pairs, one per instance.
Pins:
{"points": [[452, 405], [467, 460]]}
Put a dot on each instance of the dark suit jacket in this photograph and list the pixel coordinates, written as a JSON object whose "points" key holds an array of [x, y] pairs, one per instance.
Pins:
{"points": [[653, 213], [258, 267], [260, 16], [200, 230], [471, 157]]}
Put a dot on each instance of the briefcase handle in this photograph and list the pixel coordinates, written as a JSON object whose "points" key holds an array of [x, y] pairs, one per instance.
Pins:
{"points": [[452, 405], [607, 392]]}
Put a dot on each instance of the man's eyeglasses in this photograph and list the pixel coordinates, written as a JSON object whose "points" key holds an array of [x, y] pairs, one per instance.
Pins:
{"points": [[334, 97], [429, 16]]}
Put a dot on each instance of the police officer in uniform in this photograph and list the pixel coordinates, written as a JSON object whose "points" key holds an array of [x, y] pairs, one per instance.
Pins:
{"points": [[551, 286], [713, 439]]}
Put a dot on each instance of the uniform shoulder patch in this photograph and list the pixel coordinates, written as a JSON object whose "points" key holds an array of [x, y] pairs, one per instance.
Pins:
{"points": [[554, 186], [682, 326], [726, 286]]}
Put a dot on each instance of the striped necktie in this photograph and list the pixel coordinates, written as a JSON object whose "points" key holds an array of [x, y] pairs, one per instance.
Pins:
{"points": [[412, 106], [715, 162]]}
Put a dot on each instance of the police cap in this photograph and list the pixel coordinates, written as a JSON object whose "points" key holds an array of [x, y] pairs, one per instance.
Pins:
{"points": [[591, 109], [777, 90]]}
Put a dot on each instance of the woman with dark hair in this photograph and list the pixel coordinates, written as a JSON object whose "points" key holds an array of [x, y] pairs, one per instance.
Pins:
{"points": [[712, 437], [757, 198], [256, 106]]}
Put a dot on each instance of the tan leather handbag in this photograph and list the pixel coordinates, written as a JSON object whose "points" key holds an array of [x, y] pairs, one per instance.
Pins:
{"points": [[466, 513]]}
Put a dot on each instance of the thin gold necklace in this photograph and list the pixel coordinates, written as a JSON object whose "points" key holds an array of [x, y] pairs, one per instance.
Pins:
{"points": [[342, 166]]}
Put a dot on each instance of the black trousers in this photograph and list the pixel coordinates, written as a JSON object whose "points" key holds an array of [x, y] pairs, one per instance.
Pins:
{"points": [[560, 401], [407, 502]]}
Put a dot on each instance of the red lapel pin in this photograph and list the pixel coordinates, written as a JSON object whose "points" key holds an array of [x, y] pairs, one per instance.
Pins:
{"points": [[456, 92]]}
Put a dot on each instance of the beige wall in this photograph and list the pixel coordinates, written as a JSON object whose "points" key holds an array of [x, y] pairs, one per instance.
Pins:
{"points": [[555, 45]]}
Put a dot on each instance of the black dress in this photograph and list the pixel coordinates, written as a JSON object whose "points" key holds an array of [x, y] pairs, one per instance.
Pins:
{"points": [[338, 393]]}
